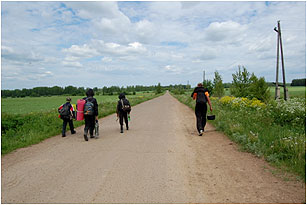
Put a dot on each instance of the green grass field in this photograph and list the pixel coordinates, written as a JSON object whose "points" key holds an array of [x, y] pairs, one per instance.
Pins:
{"points": [[295, 91], [43, 104]]}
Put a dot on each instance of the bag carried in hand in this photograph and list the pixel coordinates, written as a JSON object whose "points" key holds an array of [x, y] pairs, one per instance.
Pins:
{"points": [[88, 107], [65, 111], [96, 128], [125, 105]]}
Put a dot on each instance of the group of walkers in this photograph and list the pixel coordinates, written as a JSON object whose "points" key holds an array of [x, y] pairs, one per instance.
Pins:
{"points": [[123, 109], [90, 111]]}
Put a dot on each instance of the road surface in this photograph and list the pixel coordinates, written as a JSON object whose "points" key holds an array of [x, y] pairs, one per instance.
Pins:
{"points": [[161, 159]]}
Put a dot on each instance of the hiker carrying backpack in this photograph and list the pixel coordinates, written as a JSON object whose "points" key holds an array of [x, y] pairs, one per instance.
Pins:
{"points": [[90, 114], [126, 107], [123, 111], [201, 95], [67, 114]]}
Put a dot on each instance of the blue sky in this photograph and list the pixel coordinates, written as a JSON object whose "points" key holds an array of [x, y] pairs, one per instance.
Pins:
{"points": [[96, 44]]}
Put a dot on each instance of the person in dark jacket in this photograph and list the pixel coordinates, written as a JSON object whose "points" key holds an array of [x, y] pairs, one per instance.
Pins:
{"points": [[67, 117], [90, 113], [201, 95], [121, 113]]}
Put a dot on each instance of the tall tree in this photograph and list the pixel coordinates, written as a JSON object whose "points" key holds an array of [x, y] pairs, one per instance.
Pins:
{"points": [[218, 86]]}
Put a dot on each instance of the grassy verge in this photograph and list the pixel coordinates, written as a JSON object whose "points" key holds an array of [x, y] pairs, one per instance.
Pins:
{"points": [[275, 131], [22, 130]]}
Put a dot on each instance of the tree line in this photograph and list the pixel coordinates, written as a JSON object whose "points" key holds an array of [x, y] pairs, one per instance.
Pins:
{"points": [[80, 91], [299, 82]]}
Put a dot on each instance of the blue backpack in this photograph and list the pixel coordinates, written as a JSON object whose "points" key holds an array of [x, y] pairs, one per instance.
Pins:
{"points": [[88, 107]]}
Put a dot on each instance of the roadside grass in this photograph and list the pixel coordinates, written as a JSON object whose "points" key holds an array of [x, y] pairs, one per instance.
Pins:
{"points": [[24, 129], [276, 131]]}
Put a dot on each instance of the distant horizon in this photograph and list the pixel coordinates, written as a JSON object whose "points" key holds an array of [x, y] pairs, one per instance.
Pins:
{"points": [[108, 43], [280, 83]]}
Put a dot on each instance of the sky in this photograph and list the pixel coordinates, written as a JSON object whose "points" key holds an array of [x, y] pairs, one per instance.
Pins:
{"points": [[104, 43]]}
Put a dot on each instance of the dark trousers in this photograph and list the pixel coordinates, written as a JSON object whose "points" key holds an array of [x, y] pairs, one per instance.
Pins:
{"points": [[71, 126], [89, 124], [201, 112], [123, 116]]}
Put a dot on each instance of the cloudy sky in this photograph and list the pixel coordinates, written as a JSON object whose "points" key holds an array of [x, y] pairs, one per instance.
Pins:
{"points": [[96, 44]]}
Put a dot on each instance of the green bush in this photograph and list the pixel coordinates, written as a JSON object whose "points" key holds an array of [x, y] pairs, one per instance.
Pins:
{"points": [[248, 85]]}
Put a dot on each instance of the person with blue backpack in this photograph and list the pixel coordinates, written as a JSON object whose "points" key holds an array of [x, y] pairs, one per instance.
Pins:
{"points": [[90, 113], [123, 111], [201, 95], [67, 114]]}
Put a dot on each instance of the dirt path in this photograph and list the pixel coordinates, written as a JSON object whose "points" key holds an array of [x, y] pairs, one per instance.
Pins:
{"points": [[161, 159]]}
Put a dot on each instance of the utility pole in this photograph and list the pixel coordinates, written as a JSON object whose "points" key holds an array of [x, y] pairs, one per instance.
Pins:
{"points": [[278, 30], [204, 76], [277, 91]]}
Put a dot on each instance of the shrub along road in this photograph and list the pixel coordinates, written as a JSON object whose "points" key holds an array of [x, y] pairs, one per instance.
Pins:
{"points": [[161, 159]]}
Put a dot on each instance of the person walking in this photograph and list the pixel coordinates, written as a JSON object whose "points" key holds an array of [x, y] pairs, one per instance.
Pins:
{"points": [[201, 95], [123, 110], [90, 113], [67, 114]]}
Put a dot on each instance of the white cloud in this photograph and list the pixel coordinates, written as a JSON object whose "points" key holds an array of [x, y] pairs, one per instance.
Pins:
{"points": [[173, 69], [225, 31], [106, 59], [71, 64], [84, 51], [167, 41]]}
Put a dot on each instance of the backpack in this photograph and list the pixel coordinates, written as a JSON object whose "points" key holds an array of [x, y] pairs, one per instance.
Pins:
{"points": [[201, 97], [88, 107], [126, 107], [65, 111]]}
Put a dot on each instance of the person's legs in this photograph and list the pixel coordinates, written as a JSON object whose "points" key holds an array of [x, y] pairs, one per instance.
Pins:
{"points": [[198, 117], [121, 121], [125, 115], [71, 126], [204, 116], [86, 127], [92, 125], [64, 128]]}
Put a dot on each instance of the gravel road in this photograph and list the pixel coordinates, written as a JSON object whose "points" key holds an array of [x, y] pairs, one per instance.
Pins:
{"points": [[161, 159]]}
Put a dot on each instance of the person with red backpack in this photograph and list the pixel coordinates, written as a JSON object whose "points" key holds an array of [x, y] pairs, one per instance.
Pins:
{"points": [[201, 95], [123, 111], [67, 114], [90, 113]]}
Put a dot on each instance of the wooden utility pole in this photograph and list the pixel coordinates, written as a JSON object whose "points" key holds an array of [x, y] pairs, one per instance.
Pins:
{"points": [[279, 42], [277, 91]]}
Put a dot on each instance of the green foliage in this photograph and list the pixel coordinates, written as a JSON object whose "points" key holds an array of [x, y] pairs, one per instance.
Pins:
{"points": [[218, 87], [299, 82], [158, 89], [240, 83], [248, 85], [178, 91], [209, 85], [259, 89], [291, 112]]}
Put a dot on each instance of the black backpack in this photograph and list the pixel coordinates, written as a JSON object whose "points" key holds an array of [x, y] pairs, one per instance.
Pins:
{"points": [[126, 107], [88, 107], [201, 97], [65, 111]]}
